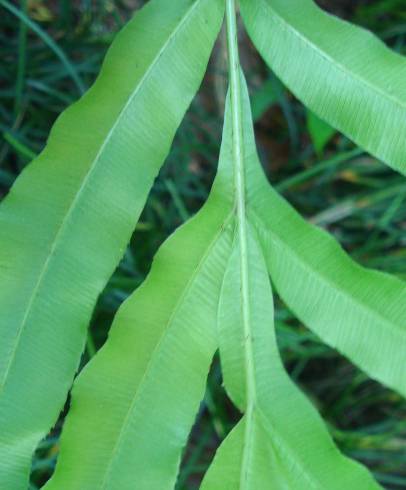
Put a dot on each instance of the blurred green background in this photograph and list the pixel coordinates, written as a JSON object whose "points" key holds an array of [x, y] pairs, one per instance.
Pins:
{"points": [[51, 51]]}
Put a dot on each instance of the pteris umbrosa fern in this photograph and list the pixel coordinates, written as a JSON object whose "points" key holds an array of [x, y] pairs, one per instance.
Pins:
{"points": [[67, 220]]}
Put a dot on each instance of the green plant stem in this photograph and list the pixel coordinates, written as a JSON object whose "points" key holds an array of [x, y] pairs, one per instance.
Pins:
{"points": [[19, 147], [49, 41], [301, 177], [239, 176], [22, 59]]}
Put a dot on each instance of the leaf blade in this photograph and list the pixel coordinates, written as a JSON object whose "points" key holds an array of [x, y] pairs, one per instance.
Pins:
{"points": [[267, 449], [286, 444], [358, 90], [71, 213], [358, 311], [146, 429], [149, 400]]}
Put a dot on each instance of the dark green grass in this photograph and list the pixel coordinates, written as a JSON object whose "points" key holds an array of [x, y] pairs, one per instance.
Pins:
{"points": [[341, 188]]}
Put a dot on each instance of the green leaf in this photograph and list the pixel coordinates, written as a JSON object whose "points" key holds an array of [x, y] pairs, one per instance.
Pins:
{"points": [[320, 132], [209, 286], [281, 442], [141, 392], [66, 222], [343, 73], [142, 406], [358, 311]]}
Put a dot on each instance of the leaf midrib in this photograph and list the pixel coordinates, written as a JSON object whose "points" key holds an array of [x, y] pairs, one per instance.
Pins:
{"points": [[66, 219], [323, 54], [242, 231], [139, 390]]}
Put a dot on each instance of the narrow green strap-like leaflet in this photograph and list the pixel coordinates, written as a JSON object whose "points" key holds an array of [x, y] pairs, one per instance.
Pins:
{"points": [[151, 374], [346, 75], [67, 220], [360, 312], [281, 442], [142, 406], [267, 448]]}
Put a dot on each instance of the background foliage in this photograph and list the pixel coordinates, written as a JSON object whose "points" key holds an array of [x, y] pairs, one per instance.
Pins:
{"points": [[329, 181]]}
